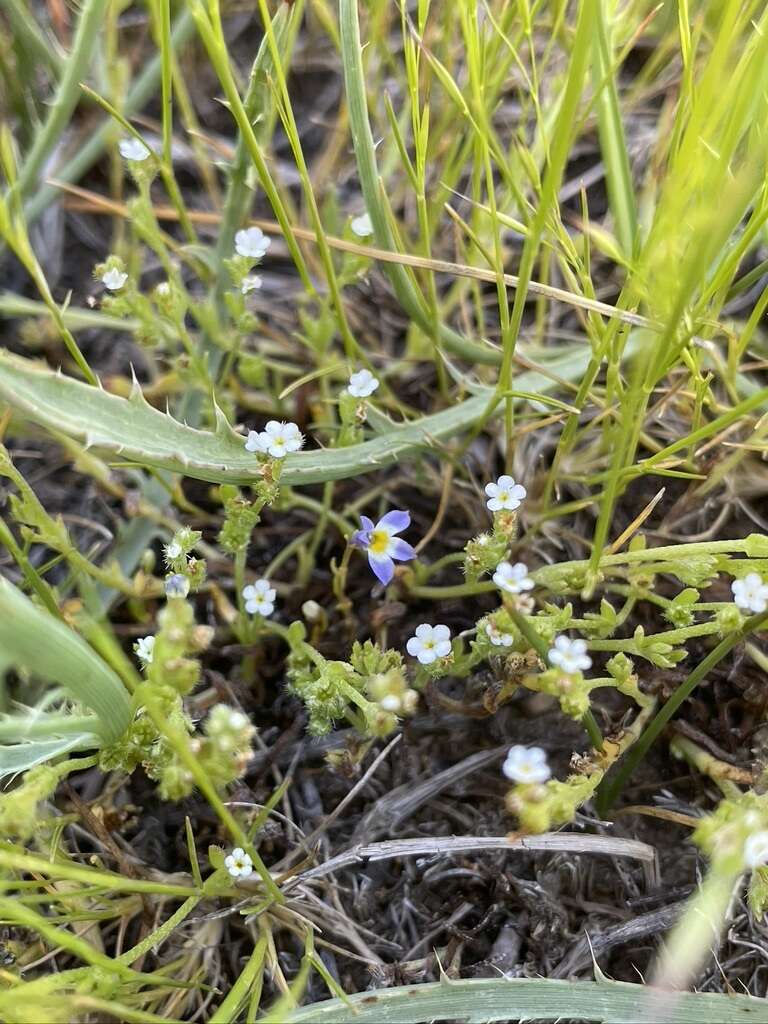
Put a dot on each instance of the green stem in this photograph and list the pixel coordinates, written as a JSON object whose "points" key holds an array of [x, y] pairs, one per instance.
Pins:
{"points": [[541, 647], [162, 11], [229, 1007], [211, 33], [238, 195], [180, 744], [445, 593], [612, 786]]}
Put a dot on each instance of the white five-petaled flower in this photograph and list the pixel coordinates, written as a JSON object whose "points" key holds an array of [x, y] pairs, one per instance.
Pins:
{"points": [[497, 638], [277, 439], [113, 279], [504, 494], [250, 283], [751, 593], [362, 384], [526, 764], [756, 850], [569, 655], [259, 598], [133, 149], [238, 863], [144, 648], [252, 243], [513, 578], [429, 643], [362, 226], [173, 551], [384, 548]]}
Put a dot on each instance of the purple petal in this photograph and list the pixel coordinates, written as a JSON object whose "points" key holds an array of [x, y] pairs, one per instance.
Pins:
{"points": [[401, 550], [395, 521], [383, 568], [359, 539], [366, 523]]}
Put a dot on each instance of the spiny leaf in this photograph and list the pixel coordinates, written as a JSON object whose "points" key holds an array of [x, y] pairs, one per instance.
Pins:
{"points": [[502, 999], [137, 432]]}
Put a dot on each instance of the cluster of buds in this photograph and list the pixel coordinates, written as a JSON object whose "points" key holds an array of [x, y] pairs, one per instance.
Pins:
{"points": [[539, 802], [225, 749], [391, 692]]}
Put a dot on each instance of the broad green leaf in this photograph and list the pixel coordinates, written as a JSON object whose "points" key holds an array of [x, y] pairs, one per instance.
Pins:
{"points": [[21, 756], [31, 638]]}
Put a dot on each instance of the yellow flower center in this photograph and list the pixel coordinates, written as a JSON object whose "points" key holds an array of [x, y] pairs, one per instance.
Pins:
{"points": [[378, 542]]}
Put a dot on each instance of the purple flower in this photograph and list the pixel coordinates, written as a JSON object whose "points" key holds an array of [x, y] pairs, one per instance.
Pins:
{"points": [[383, 547]]}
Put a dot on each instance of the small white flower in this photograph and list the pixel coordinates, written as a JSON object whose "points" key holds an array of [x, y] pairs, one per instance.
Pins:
{"points": [[113, 279], [751, 593], [257, 442], [259, 598], [133, 149], [497, 638], [163, 289], [238, 863], [430, 643], [362, 226], [504, 494], [144, 649], [173, 551], [250, 283], [526, 764], [176, 585], [569, 655], [252, 243], [756, 850], [362, 384], [513, 578], [277, 439]]}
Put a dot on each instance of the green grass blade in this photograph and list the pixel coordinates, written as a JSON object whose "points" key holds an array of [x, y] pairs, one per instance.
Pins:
{"points": [[260, 111], [612, 141], [365, 153], [67, 95], [142, 90]]}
